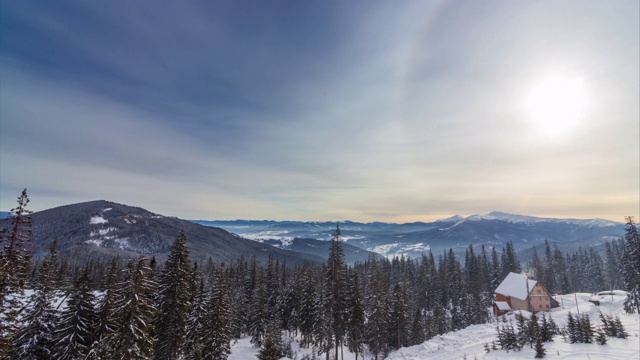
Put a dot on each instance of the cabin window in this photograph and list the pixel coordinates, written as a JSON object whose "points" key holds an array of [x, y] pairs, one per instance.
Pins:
{"points": [[539, 306], [539, 292], [547, 306], [546, 298]]}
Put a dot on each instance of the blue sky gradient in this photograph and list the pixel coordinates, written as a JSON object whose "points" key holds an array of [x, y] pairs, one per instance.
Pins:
{"points": [[318, 110]]}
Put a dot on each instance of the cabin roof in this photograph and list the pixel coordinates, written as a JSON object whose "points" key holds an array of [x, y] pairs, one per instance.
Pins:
{"points": [[503, 306], [514, 285]]}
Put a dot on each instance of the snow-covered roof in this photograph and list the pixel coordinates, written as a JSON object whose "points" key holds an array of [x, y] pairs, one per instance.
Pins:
{"points": [[503, 306], [514, 285]]}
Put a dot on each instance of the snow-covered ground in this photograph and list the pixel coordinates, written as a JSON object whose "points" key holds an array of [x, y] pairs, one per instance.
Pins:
{"points": [[469, 343]]}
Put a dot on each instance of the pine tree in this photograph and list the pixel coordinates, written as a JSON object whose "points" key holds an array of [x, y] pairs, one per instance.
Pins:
{"points": [[631, 265], [322, 332], [356, 320], [533, 330], [546, 331], [217, 324], [399, 318], [307, 305], [601, 336], [15, 258], [539, 348], [270, 350], [75, 332], [35, 338], [620, 332], [106, 322], [195, 335], [336, 285], [174, 301], [135, 313], [377, 312], [258, 316], [572, 329]]}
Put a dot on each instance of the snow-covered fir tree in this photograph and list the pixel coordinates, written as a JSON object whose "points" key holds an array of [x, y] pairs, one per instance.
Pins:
{"points": [[75, 332], [174, 287], [135, 313], [35, 338], [15, 259], [217, 324], [631, 266]]}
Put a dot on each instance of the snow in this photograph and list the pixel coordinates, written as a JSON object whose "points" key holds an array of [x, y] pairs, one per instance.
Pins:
{"points": [[514, 285], [469, 342], [96, 242], [513, 218], [98, 220], [399, 249], [102, 232], [503, 306], [123, 244], [107, 209], [268, 235], [383, 249]]}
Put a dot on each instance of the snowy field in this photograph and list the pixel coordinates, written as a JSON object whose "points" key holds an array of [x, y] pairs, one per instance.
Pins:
{"points": [[469, 343]]}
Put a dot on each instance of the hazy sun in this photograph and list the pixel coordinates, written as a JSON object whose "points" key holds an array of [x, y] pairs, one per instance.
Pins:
{"points": [[555, 104]]}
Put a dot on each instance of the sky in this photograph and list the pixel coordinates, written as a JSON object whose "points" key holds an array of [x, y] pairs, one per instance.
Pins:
{"points": [[372, 110]]}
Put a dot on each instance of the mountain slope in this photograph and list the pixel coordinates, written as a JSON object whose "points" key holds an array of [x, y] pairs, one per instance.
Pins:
{"points": [[102, 228]]}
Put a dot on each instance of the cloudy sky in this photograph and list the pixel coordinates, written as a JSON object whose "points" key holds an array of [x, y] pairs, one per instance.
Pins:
{"points": [[323, 110]]}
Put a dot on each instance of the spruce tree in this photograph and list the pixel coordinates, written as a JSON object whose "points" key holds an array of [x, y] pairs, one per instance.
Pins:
{"points": [[631, 266], [270, 350], [546, 330], [258, 312], [217, 324], [174, 301], [620, 332], [15, 258], [601, 335], [539, 348], [35, 339], [135, 313], [356, 319], [336, 285], [307, 304], [75, 332], [106, 322], [572, 329], [195, 335], [377, 312]]}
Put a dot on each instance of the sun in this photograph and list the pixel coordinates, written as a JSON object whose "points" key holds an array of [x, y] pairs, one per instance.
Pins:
{"points": [[555, 104]]}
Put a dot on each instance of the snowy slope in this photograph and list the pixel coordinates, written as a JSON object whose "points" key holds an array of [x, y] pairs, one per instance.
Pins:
{"points": [[469, 342]]}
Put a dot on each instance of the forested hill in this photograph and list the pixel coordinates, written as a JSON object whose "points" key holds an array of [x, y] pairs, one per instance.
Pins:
{"points": [[99, 229]]}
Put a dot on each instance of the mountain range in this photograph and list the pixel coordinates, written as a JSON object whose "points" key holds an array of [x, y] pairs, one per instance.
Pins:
{"points": [[99, 229], [457, 232], [104, 229]]}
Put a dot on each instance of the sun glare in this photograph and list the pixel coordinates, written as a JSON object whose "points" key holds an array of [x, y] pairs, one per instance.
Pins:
{"points": [[555, 104]]}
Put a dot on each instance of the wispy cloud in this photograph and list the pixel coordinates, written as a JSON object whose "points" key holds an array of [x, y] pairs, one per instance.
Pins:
{"points": [[317, 110]]}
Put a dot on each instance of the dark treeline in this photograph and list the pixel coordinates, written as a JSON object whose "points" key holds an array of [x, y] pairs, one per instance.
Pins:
{"points": [[139, 309], [581, 271]]}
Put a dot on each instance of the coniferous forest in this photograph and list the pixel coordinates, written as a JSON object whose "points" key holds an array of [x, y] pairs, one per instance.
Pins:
{"points": [[180, 309]]}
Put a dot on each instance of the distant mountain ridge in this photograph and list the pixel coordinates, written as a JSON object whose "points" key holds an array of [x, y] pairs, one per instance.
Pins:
{"points": [[414, 239]]}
